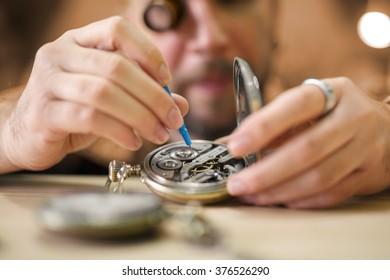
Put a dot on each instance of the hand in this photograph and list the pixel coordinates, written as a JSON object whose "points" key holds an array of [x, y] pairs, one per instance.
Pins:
{"points": [[343, 154], [102, 80]]}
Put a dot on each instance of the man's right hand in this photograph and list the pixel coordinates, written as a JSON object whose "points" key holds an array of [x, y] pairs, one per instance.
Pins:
{"points": [[101, 80]]}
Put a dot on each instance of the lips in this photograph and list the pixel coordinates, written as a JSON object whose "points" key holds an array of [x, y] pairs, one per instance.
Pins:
{"points": [[212, 85]]}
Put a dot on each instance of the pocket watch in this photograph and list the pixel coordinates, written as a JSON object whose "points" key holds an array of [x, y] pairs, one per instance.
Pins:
{"points": [[107, 216], [180, 173], [101, 214]]}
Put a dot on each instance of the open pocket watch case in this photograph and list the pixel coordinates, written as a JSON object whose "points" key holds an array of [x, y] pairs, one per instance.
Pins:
{"points": [[180, 173]]}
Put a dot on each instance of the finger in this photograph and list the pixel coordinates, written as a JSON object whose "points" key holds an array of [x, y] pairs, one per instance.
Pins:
{"points": [[294, 157], [105, 97], [341, 192], [62, 117], [318, 179], [116, 33], [182, 103], [222, 140], [291, 109], [125, 74]]}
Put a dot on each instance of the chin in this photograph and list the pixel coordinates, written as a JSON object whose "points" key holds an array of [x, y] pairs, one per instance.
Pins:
{"points": [[210, 127]]}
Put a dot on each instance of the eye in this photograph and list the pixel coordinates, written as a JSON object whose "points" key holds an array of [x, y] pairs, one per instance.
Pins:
{"points": [[162, 15]]}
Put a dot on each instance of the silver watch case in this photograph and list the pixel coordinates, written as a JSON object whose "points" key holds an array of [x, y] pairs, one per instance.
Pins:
{"points": [[179, 173]]}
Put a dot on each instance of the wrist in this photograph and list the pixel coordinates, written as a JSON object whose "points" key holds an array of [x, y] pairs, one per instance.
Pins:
{"points": [[8, 100]]}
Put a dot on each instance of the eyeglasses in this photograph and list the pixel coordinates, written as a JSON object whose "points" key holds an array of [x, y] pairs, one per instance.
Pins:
{"points": [[162, 15]]}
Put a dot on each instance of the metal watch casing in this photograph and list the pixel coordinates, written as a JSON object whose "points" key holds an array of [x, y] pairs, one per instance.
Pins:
{"points": [[201, 175]]}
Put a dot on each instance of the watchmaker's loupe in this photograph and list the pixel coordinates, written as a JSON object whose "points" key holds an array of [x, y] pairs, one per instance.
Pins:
{"points": [[163, 15], [181, 174]]}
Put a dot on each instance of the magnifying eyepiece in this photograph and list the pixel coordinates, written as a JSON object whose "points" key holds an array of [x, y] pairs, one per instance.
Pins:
{"points": [[162, 15]]}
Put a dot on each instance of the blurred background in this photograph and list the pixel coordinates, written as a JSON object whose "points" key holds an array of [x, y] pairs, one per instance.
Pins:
{"points": [[315, 38], [23, 23], [321, 39]]}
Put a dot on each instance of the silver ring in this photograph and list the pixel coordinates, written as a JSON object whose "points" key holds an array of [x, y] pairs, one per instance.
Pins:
{"points": [[327, 90]]}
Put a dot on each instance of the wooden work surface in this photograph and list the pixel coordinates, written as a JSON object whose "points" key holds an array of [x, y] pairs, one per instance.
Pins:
{"points": [[359, 229]]}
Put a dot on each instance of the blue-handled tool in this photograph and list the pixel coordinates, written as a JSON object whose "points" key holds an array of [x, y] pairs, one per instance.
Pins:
{"points": [[183, 129]]}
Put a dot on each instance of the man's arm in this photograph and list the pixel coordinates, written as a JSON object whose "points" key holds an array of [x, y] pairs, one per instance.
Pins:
{"points": [[8, 100]]}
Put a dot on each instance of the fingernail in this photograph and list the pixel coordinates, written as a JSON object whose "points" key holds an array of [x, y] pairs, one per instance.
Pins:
{"points": [[236, 187], [136, 143], [238, 145], [162, 133], [175, 118], [164, 74]]}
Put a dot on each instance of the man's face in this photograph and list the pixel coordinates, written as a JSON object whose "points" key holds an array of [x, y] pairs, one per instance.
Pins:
{"points": [[200, 53]]}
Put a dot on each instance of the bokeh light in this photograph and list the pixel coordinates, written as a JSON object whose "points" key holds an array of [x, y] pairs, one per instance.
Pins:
{"points": [[374, 29]]}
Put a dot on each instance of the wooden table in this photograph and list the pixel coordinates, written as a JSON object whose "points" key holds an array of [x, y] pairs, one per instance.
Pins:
{"points": [[359, 229]]}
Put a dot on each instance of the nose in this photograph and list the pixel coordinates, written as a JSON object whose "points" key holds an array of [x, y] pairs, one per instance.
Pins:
{"points": [[209, 31]]}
